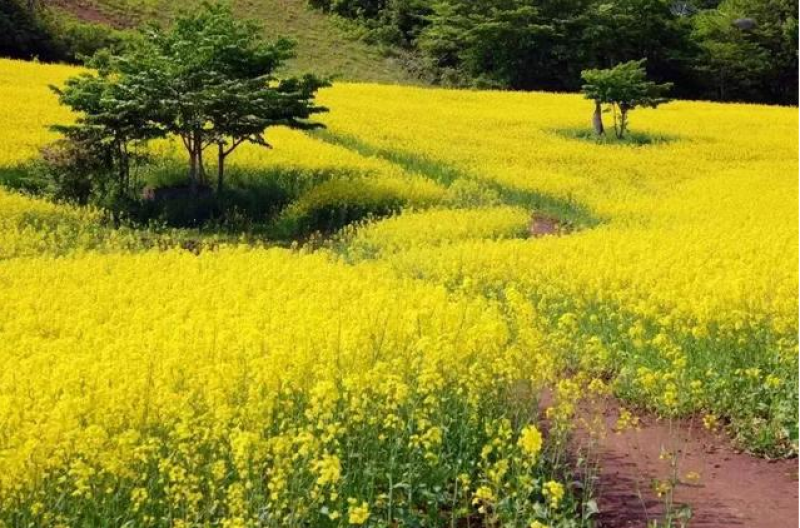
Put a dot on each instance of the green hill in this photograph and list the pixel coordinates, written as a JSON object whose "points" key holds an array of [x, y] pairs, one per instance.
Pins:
{"points": [[323, 47]]}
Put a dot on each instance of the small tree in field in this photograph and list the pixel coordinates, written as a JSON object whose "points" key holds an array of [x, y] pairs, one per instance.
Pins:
{"points": [[209, 79], [624, 88], [214, 78], [240, 111], [97, 149]]}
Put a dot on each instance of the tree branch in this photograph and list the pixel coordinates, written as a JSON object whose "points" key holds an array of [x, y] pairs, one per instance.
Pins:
{"points": [[234, 145]]}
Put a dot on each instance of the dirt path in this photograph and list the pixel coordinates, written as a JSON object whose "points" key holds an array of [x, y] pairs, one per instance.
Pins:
{"points": [[542, 225], [723, 488]]}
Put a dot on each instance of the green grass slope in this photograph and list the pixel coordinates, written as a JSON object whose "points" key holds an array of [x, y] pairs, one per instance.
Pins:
{"points": [[323, 47]]}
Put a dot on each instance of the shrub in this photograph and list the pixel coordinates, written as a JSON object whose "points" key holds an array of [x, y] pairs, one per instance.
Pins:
{"points": [[82, 39], [337, 203], [74, 169]]}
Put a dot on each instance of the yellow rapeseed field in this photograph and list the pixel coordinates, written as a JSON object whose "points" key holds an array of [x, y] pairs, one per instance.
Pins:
{"points": [[391, 377]]}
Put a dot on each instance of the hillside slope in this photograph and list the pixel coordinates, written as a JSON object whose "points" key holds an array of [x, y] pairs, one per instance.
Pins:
{"points": [[323, 47]]}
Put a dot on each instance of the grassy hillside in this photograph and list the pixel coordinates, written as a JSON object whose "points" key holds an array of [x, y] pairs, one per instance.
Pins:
{"points": [[322, 46]]}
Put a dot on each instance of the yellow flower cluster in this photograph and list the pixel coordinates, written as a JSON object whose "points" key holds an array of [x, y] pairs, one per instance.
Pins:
{"points": [[437, 227], [554, 491], [690, 276], [28, 107], [530, 441], [393, 375], [239, 382], [359, 513], [687, 224]]}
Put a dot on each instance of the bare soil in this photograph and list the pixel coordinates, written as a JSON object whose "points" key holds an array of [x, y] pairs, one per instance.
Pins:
{"points": [[544, 225], [723, 488], [88, 12]]}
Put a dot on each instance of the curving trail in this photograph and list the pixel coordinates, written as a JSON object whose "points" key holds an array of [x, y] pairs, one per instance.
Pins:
{"points": [[724, 488]]}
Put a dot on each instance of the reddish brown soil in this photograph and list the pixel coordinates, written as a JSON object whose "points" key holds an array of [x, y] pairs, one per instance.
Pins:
{"points": [[728, 488], [87, 12], [543, 226]]}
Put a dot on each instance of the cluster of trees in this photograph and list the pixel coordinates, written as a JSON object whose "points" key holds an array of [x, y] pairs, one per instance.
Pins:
{"points": [[30, 31], [208, 80], [23, 35], [715, 49]]}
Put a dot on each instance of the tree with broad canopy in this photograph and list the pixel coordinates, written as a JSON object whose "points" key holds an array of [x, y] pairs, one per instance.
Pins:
{"points": [[623, 88]]}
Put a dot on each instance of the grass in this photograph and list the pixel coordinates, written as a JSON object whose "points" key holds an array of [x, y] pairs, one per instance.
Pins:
{"points": [[322, 46], [635, 138]]}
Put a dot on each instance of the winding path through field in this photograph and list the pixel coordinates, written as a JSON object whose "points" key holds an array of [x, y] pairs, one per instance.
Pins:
{"points": [[723, 488]]}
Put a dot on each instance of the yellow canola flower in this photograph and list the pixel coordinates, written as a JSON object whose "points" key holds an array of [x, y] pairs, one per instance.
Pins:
{"points": [[227, 387], [483, 495], [329, 470], [357, 514], [530, 441], [554, 491]]}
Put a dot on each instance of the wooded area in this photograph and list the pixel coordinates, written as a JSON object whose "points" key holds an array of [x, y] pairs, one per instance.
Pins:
{"points": [[729, 50]]}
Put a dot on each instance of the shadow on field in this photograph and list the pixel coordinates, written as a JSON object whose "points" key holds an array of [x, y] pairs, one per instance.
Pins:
{"points": [[20, 178], [279, 203], [568, 211], [633, 139]]}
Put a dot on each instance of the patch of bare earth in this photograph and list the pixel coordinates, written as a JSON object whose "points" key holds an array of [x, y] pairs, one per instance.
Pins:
{"points": [[542, 225], [722, 487], [88, 12]]}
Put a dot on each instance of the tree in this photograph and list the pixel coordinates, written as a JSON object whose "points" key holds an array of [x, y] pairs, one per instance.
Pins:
{"points": [[624, 88], [112, 115], [504, 43], [720, 49], [24, 36], [209, 79], [625, 30], [214, 78], [241, 110], [748, 50]]}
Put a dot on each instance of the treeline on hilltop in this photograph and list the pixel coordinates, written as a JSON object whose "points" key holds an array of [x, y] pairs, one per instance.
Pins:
{"points": [[728, 50], [724, 50]]}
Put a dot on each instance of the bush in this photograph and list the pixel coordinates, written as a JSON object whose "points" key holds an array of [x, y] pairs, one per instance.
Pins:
{"points": [[238, 208], [75, 170], [82, 40]]}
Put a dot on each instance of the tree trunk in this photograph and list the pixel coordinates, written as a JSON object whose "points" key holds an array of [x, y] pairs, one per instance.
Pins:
{"points": [[126, 168], [123, 167], [220, 167], [193, 169], [120, 167], [198, 155], [201, 168], [597, 119], [623, 121], [194, 146]]}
